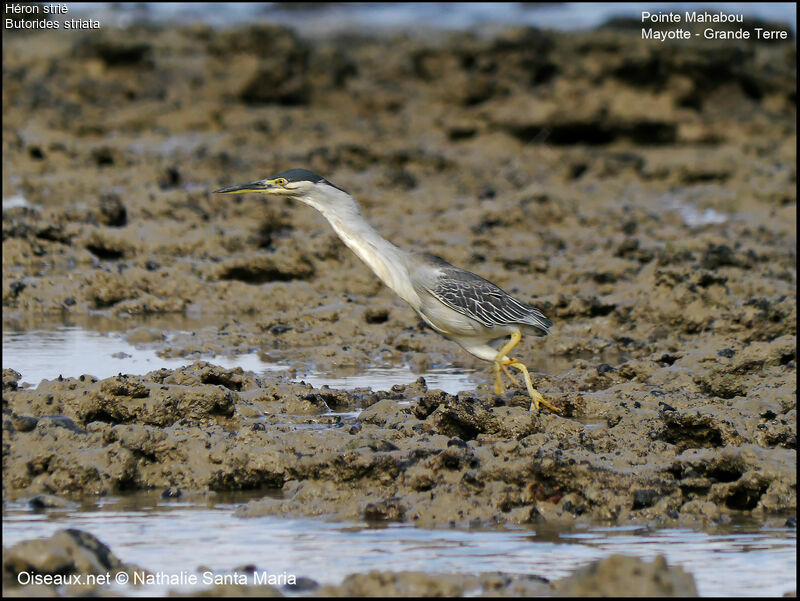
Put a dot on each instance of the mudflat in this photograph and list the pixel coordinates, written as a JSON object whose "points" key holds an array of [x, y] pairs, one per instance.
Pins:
{"points": [[642, 195]]}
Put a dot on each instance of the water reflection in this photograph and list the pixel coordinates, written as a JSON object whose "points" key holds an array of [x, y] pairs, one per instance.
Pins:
{"points": [[743, 562], [73, 350], [98, 345]]}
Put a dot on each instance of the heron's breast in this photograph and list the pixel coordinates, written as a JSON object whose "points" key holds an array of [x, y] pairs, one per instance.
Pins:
{"points": [[449, 322]]}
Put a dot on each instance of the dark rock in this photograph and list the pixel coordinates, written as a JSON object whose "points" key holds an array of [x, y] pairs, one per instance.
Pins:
{"points": [[11, 379], [173, 492], [44, 501], [302, 584], [375, 315], [644, 498], [66, 552], [24, 423], [464, 418], [112, 212]]}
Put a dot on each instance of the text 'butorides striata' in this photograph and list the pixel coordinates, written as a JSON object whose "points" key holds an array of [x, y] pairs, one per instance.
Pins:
{"points": [[458, 304]]}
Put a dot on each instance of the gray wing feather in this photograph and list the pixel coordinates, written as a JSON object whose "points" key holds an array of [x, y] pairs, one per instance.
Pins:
{"points": [[475, 297]]}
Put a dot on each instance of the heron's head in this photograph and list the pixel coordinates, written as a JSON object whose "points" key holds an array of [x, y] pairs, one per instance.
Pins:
{"points": [[300, 184]]}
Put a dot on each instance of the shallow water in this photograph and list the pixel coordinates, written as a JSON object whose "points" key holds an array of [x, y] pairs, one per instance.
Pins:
{"points": [[71, 351], [742, 562], [97, 346], [13, 202]]}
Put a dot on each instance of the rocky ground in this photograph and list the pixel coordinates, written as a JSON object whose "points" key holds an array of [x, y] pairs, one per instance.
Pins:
{"points": [[641, 194]]}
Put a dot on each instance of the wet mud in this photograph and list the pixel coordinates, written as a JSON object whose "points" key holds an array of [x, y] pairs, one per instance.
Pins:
{"points": [[641, 195]]}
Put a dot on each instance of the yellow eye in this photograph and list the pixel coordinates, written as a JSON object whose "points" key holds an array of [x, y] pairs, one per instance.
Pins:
{"points": [[281, 182]]}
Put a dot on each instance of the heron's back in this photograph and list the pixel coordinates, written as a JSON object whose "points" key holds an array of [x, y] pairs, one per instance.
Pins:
{"points": [[488, 306]]}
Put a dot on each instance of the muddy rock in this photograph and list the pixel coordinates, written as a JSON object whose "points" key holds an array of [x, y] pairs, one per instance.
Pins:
{"points": [[618, 575], [40, 502], [67, 552], [469, 461], [423, 584], [383, 413], [10, 379]]}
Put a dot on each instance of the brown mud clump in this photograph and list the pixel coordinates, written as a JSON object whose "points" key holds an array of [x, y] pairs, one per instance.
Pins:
{"points": [[63, 560], [641, 195]]}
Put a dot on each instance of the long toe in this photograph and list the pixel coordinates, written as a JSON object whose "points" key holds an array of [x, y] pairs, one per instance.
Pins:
{"points": [[537, 399]]}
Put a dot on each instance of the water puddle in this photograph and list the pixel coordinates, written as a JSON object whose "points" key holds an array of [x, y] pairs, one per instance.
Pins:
{"points": [[15, 201], [71, 351], [743, 562], [97, 345], [451, 380], [692, 215]]}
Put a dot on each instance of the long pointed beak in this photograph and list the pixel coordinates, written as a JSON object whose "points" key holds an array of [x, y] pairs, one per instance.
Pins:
{"points": [[259, 186]]}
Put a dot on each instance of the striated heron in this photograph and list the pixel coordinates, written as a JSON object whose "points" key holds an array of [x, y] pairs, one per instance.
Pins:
{"points": [[459, 305]]}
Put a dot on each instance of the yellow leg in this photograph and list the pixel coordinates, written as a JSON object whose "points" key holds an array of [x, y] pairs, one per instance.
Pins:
{"points": [[536, 396], [499, 388], [511, 376], [498, 380], [500, 362]]}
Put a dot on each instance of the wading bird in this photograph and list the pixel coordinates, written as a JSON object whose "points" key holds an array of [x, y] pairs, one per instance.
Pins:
{"points": [[459, 305]]}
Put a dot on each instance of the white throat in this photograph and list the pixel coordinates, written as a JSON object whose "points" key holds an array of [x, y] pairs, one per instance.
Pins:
{"points": [[389, 262]]}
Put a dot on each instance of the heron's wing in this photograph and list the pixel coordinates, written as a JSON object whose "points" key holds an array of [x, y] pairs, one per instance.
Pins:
{"points": [[475, 297]]}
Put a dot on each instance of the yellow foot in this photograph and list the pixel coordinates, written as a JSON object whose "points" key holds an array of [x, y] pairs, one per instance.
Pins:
{"points": [[536, 397], [501, 361]]}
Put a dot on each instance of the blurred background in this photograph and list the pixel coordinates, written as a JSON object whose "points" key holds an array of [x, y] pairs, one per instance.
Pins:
{"points": [[376, 16]]}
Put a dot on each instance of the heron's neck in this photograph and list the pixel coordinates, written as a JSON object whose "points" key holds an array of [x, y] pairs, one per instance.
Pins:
{"points": [[389, 262]]}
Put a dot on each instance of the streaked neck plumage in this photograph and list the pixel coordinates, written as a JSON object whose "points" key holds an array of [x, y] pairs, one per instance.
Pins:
{"points": [[389, 262]]}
